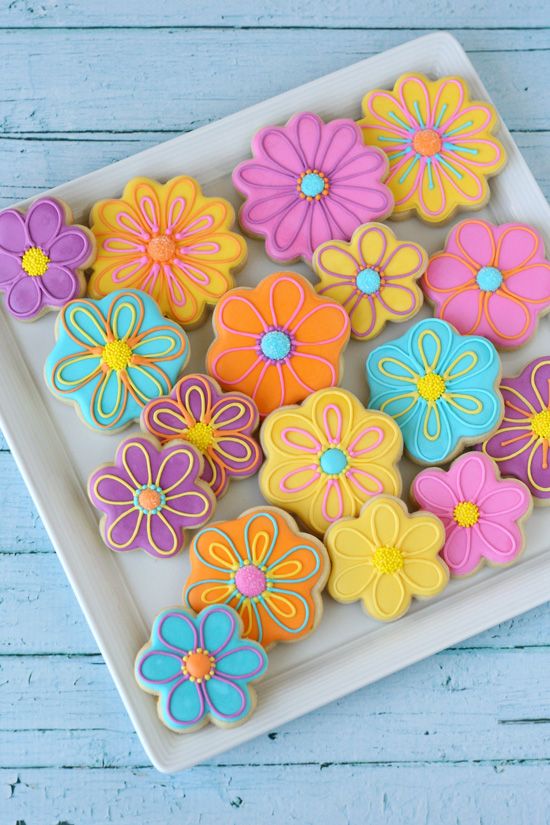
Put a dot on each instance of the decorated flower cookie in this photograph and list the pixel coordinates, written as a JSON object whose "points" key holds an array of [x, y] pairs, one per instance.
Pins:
{"points": [[278, 342], [42, 258], [521, 444], [310, 182], [170, 241], [327, 457], [200, 668], [219, 424], [150, 496], [439, 143], [263, 567], [440, 387], [491, 280], [373, 276], [481, 513], [113, 356], [385, 557]]}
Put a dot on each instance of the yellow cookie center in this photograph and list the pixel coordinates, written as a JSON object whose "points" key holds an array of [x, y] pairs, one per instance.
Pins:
{"points": [[200, 436], [430, 386], [388, 559], [161, 249], [540, 424], [427, 142], [198, 665], [35, 262], [117, 354], [466, 513]]}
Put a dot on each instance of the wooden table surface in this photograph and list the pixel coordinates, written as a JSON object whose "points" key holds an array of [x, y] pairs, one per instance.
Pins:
{"points": [[462, 738]]}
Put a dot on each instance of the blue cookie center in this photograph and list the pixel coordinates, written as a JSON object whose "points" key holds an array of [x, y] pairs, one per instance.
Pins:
{"points": [[333, 461], [275, 345], [489, 278], [312, 184], [368, 281]]}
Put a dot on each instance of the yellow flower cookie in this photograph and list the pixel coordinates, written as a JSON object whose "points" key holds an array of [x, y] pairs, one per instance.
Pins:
{"points": [[385, 557], [325, 458], [170, 241], [373, 277]]}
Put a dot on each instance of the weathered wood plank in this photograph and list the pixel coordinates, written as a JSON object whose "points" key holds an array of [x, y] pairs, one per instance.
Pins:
{"points": [[64, 81], [33, 163], [457, 706], [286, 13], [339, 794]]}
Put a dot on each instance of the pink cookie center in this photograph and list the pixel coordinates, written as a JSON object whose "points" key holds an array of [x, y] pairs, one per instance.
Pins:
{"points": [[161, 249], [250, 580]]}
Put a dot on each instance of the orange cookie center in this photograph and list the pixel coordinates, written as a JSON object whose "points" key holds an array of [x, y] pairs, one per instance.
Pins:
{"points": [[149, 499], [161, 249], [198, 665], [427, 142]]}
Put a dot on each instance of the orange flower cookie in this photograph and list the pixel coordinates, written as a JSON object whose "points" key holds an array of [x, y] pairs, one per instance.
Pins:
{"points": [[373, 276], [278, 342], [385, 557], [263, 567], [327, 457], [170, 241]]}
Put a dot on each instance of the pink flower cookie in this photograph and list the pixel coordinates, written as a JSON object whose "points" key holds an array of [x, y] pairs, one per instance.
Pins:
{"points": [[482, 514], [490, 280], [310, 182]]}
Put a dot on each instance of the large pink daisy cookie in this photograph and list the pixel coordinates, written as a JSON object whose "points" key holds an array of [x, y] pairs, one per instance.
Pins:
{"points": [[490, 280], [309, 182], [481, 513]]}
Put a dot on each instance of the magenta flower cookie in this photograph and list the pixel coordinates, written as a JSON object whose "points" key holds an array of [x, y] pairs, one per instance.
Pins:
{"points": [[42, 256], [219, 424], [481, 513], [521, 444], [490, 280], [310, 182], [150, 496]]}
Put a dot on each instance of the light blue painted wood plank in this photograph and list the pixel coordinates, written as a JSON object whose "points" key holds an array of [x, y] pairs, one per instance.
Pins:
{"points": [[288, 13], [84, 81]]}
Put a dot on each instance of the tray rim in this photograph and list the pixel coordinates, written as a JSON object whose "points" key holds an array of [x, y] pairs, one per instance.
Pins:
{"points": [[466, 613]]}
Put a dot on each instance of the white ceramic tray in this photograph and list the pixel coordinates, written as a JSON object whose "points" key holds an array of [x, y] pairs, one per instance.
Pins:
{"points": [[120, 594]]}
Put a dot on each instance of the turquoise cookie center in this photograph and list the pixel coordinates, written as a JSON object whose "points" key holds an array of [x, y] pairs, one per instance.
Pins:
{"points": [[333, 461], [368, 281], [312, 184], [275, 345], [489, 278]]}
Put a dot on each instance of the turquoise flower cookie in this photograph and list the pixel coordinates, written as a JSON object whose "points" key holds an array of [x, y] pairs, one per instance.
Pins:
{"points": [[440, 387]]}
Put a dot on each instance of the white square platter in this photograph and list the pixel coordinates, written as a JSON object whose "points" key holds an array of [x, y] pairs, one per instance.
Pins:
{"points": [[121, 594]]}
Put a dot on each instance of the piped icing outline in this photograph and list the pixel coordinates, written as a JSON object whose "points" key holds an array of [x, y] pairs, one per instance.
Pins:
{"points": [[200, 668], [266, 569], [521, 443], [491, 280], [94, 357], [220, 424], [440, 387], [385, 556], [306, 335], [439, 143], [309, 182], [482, 514], [169, 240], [374, 277], [150, 496], [42, 258], [327, 456]]}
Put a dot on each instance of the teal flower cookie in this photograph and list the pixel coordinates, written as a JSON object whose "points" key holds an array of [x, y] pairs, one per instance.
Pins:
{"points": [[440, 387]]}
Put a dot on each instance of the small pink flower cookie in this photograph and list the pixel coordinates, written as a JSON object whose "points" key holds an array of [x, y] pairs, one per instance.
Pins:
{"points": [[310, 182], [490, 280], [482, 514]]}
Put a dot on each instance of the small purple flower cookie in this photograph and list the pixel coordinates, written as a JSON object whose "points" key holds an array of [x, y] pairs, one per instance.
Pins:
{"points": [[200, 668], [310, 182], [150, 496], [42, 255], [481, 513]]}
